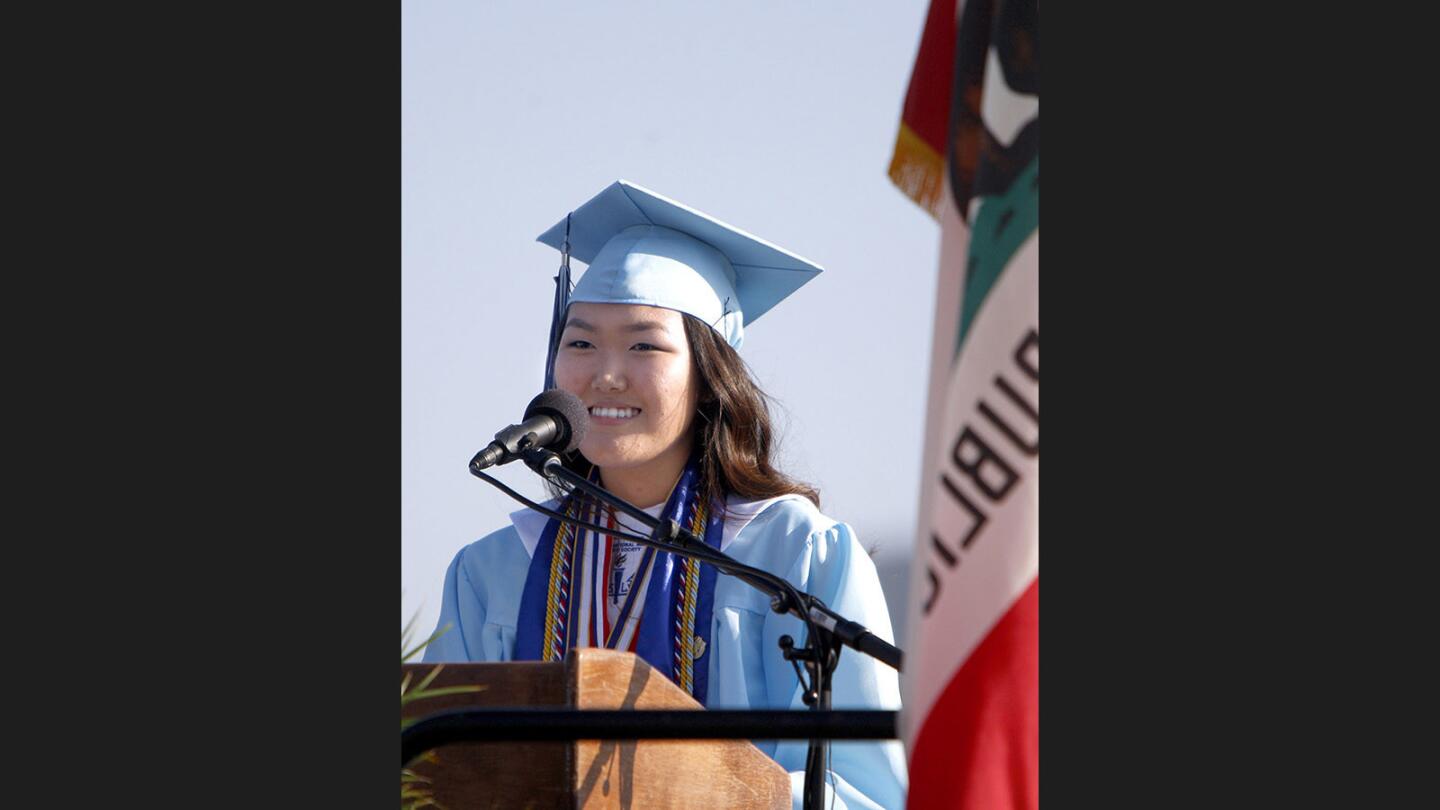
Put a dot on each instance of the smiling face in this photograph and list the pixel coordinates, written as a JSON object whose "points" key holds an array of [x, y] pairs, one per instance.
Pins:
{"points": [[631, 366]]}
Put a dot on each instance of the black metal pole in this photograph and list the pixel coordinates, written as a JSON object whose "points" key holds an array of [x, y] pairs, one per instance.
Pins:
{"points": [[564, 725]]}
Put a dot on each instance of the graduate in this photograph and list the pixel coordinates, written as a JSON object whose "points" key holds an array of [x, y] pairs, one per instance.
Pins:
{"points": [[647, 341]]}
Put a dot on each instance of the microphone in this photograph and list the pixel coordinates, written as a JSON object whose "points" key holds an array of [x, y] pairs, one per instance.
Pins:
{"points": [[556, 420]]}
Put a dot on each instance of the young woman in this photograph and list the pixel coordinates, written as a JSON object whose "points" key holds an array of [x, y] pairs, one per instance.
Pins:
{"points": [[678, 428]]}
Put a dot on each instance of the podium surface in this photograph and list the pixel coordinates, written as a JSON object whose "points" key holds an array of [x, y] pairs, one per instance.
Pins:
{"points": [[588, 773]]}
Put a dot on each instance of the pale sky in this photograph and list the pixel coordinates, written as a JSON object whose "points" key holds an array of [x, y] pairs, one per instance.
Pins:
{"points": [[776, 117]]}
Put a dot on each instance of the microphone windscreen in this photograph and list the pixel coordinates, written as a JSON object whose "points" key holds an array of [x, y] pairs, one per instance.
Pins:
{"points": [[568, 409]]}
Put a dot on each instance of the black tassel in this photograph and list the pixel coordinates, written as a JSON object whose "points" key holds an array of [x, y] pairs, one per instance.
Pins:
{"points": [[562, 302]]}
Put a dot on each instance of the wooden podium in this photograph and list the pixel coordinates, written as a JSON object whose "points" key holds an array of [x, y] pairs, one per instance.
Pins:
{"points": [[588, 773]]}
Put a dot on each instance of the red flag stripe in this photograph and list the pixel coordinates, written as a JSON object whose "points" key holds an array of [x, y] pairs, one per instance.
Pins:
{"points": [[979, 746]]}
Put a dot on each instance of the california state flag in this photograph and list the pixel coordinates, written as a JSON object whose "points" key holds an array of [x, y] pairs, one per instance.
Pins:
{"points": [[969, 152]]}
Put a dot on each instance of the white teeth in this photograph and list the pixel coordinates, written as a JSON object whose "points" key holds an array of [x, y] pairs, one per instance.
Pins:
{"points": [[614, 413]]}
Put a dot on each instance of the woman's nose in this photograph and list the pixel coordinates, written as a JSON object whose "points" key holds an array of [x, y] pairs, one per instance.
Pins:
{"points": [[609, 378]]}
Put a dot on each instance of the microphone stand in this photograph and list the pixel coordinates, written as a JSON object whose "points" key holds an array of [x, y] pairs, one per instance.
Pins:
{"points": [[828, 630]]}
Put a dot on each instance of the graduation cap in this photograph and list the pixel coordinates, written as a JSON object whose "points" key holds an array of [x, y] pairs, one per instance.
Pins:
{"points": [[643, 248]]}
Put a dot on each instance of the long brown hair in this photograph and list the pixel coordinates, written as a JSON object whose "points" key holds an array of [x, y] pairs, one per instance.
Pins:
{"points": [[732, 426]]}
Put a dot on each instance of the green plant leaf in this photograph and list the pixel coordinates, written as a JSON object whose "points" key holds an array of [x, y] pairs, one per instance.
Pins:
{"points": [[407, 630], [426, 681], [406, 656], [414, 795], [446, 690]]}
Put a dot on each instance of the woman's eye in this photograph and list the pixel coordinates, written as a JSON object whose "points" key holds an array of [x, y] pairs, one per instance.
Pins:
{"points": [[579, 344], [644, 347]]}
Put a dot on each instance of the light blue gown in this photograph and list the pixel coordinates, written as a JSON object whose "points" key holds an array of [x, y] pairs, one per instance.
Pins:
{"points": [[787, 536]]}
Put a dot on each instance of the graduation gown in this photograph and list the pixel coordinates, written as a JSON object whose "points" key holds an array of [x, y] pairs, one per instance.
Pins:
{"points": [[787, 536]]}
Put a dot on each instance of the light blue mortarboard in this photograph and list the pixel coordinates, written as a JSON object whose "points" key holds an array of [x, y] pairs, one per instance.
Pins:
{"points": [[643, 248]]}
